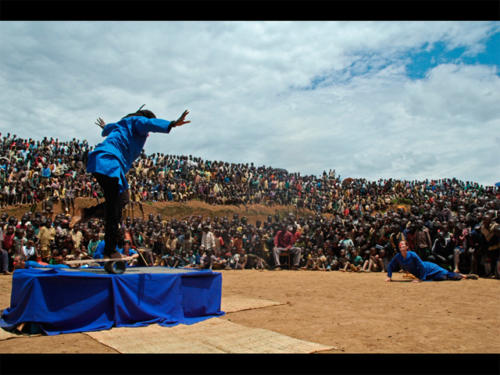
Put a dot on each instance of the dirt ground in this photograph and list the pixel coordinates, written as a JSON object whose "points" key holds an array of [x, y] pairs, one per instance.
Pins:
{"points": [[355, 313]]}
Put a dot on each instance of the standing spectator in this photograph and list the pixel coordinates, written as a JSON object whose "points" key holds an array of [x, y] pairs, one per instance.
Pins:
{"points": [[171, 242], [423, 241], [207, 240], [8, 244], [4, 256], [491, 244]]}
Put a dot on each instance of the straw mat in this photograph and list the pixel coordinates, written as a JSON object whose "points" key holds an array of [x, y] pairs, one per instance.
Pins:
{"points": [[214, 335], [5, 335], [237, 303]]}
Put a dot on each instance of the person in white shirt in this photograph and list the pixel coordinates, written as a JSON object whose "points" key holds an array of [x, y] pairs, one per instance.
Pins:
{"points": [[29, 250], [207, 239]]}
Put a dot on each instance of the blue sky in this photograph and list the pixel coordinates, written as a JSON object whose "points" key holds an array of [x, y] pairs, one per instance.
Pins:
{"points": [[408, 100], [428, 57]]}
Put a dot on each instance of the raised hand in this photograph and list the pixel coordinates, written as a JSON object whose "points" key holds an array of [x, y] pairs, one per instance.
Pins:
{"points": [[180, 121], [100, 122]]}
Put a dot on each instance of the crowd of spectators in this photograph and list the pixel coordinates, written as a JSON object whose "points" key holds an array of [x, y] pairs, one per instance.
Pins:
{"points": [[354, 227]]}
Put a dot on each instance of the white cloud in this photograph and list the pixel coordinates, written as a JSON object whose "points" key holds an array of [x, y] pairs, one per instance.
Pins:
{"points": [[244, 85]]}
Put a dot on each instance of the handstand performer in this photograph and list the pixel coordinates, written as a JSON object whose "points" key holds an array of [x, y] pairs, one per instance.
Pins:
{"points": [[423, 271], [111, 160]]}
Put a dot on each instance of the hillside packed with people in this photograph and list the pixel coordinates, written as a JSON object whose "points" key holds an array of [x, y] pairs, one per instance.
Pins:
{"points": [[355, 226]]}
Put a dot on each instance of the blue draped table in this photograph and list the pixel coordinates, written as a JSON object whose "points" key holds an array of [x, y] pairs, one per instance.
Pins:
{"points": [[66, 301]]}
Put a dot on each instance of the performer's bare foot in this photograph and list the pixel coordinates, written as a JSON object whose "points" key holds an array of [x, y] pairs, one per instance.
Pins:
{"points": [[471, 276]]}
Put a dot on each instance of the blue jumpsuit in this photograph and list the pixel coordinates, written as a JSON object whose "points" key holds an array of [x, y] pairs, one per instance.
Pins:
{"points": [[125, 140], [110, 161], [425, 271]]}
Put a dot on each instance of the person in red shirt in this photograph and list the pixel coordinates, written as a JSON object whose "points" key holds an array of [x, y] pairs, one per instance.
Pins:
{"points": [[8, 247], [4, 256], [283, 241]]}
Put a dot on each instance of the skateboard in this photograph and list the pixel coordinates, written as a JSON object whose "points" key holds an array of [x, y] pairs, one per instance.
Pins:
{"points": [[111, 265]]}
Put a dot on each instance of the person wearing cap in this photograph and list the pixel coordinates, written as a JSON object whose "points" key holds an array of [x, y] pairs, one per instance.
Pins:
{"points": [[112, 159]]}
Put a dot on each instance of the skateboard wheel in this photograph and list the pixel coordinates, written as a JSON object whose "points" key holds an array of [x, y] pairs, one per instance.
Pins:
{"points": [[117, 267]]}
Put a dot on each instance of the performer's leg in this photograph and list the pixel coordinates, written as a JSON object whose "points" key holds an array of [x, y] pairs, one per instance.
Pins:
{"points": [[454, 276], [112, 211], [97, 211]]}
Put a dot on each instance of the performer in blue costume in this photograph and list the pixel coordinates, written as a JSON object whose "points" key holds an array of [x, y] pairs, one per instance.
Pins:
{"points": [[110, 161], [423, 271]]}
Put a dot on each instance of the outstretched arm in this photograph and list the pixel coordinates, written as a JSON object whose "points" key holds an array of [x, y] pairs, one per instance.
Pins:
{"points": [[392, 265], [157, 125]]}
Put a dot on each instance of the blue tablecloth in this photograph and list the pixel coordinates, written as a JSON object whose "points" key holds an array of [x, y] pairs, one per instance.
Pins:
{"points": [[62, 301]]}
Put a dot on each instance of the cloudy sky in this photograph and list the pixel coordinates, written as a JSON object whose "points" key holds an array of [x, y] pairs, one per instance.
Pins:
{"points": [[408, 100]]}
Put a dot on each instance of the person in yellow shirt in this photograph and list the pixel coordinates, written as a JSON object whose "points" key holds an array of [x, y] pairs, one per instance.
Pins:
{"points": [[46, 234]]}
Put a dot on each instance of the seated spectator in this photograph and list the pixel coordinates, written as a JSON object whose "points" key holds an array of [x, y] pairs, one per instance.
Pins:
{"points": [[343, 260], [332, 263], [321, 261], [283, 241], [256, 262], [191, 260], [29, 251], [207, 259], [356, 261], [374, 263], [127, 251]]}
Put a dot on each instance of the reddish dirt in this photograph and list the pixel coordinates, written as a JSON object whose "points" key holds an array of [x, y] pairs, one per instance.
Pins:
{"points": [[355, 313], [179, 210]]}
